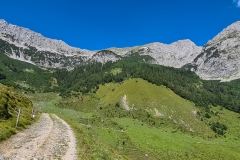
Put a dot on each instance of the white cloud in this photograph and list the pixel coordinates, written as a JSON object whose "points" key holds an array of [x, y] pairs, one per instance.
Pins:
{"points": [[237, 2]]}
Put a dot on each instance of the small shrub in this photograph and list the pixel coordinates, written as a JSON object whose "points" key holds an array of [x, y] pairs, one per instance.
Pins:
{"points": [[218, 128], [117, 104], [207, 115]]}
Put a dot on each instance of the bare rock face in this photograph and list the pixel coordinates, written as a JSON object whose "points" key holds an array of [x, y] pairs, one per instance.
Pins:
{"points": [[23, 37], [105, 55], [220, 57], [175, 55]]}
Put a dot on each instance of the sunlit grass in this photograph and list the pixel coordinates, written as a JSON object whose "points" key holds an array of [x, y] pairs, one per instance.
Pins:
{"points": [[106, 137], [10, 103]]}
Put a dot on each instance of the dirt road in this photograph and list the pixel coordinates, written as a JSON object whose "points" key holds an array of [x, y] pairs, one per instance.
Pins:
{"points": [[49, 138]]}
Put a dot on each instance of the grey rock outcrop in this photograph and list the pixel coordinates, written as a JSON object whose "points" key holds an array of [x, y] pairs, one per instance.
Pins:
{"points": [[175, 55], [220, 57], [25, 38], [105, 55]]}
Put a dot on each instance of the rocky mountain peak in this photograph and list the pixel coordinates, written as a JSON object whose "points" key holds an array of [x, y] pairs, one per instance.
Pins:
{"points": [[231, 31], [184, 41], [220, 57], [234, 26], [2, 22], [187, 45], [176, 54], [23, 37]]}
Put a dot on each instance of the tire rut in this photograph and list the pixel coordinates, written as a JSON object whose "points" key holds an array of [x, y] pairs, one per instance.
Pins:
{"points": [[49, 138]]}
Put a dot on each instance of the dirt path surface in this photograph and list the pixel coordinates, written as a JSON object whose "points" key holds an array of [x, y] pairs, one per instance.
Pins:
{"points": [[49, 138]]}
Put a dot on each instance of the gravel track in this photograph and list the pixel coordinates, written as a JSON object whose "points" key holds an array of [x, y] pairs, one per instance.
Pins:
{"points": [[49, 138]]}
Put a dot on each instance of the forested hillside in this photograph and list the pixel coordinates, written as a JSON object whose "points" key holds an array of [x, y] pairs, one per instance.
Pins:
{"points": [[134, 118], [23, 75], [183, 82], [87, 78]]}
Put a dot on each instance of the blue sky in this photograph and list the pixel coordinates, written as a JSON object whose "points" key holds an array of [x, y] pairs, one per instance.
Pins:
{"points": [[100, 24]]}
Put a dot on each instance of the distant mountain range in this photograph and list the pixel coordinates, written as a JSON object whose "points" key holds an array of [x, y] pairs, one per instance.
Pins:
{"points": [[217, 60]]}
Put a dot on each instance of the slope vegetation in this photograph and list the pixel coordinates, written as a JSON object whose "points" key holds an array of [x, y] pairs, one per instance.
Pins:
{"points": [[159, 101], [10, 102], [136, 119], [23, 75]]}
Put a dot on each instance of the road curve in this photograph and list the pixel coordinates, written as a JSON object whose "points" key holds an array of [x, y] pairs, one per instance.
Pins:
{"points": [[49, 138]]}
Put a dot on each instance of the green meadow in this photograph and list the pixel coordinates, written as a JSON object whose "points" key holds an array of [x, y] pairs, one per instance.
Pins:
{"points": [[139, 120]]}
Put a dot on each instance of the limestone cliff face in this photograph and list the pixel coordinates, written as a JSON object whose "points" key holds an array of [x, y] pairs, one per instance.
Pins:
{"points": [[220, 57], [176, 54], [23, 37], [105, 55]]}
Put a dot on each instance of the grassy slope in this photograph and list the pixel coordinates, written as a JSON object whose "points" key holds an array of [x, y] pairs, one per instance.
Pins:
{"points": [[10, 102], [88, 146], [168, 141], [182, 134], [158, 100]]}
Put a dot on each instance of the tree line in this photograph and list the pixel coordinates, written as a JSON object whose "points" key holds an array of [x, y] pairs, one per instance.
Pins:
{"points": [[87, 78], [183, 82]]}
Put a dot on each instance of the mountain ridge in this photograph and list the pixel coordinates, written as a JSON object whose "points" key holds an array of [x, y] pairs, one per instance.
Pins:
{"points": [[216, 60], [25, 38]]}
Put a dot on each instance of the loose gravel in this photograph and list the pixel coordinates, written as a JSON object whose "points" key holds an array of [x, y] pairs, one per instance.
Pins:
{"points": [[49, 138]]}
